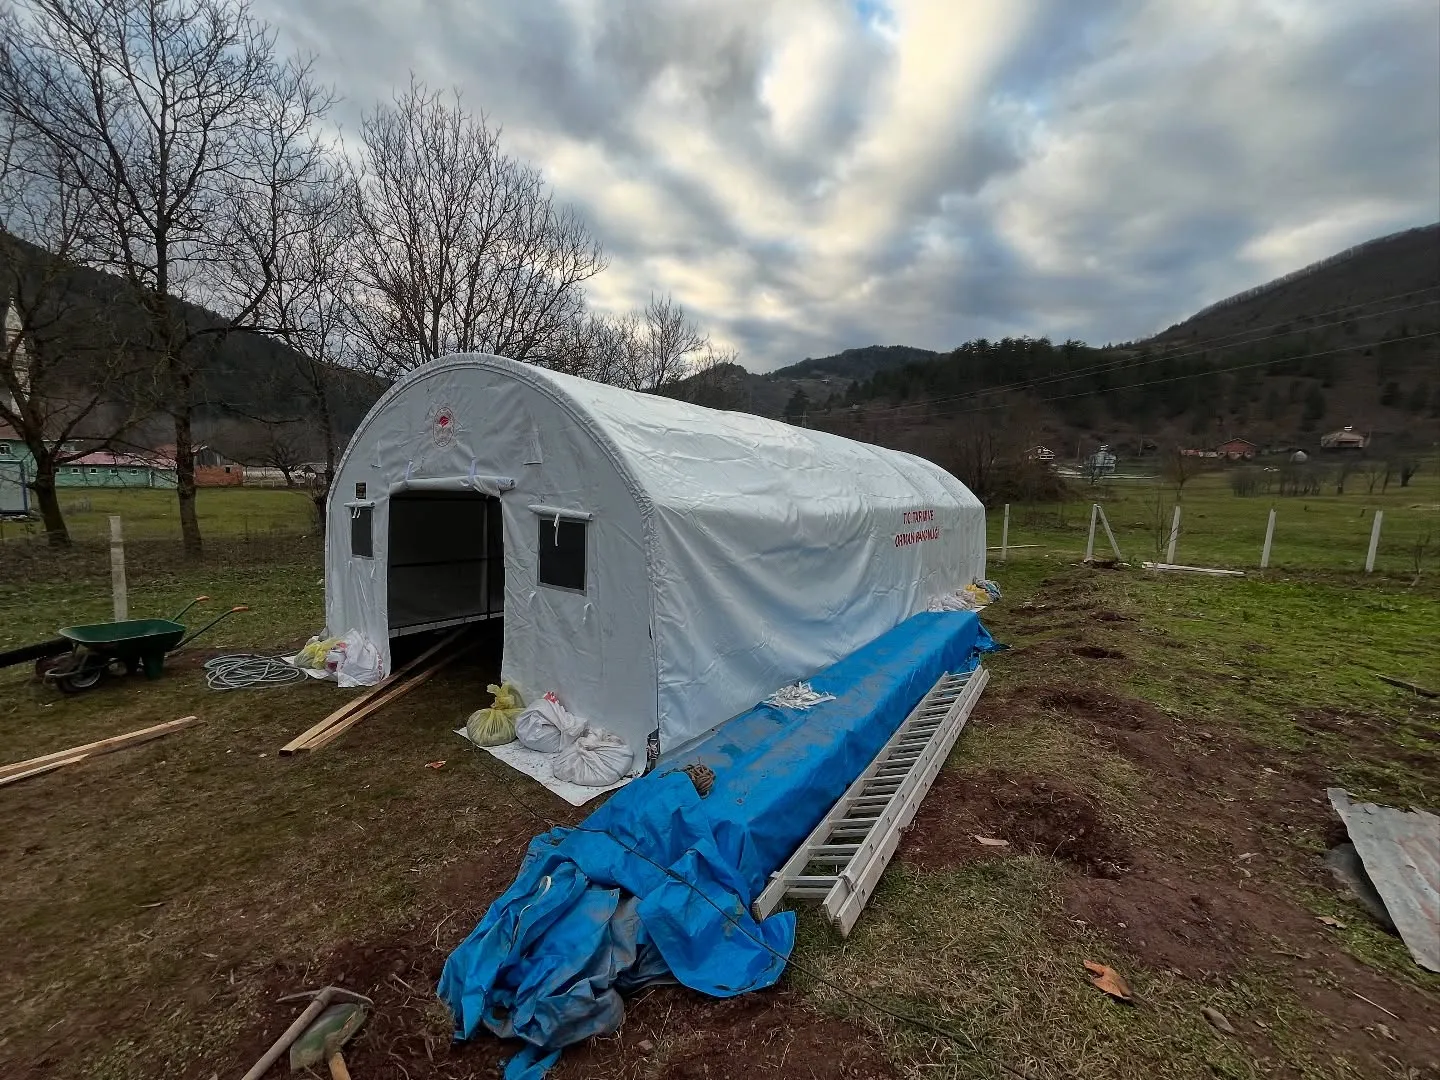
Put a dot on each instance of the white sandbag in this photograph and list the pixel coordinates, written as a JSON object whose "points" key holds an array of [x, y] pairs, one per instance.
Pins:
{"points": [[597, 758], [547, 726], [355, 660]]}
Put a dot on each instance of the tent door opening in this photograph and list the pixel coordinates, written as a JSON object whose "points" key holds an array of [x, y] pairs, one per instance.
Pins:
{"points": [[446, 560]]}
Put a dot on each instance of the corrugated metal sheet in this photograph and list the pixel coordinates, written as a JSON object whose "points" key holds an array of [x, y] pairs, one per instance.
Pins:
{"points": [[1401, 853]]}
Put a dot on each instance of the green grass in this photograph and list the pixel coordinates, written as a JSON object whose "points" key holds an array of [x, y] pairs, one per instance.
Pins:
{"points": [[159, 898], [234, 512], [1221, 529]]}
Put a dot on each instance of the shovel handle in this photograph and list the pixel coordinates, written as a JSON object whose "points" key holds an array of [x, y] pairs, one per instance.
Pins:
{"points": [[338, 1071], [314, 1009]]}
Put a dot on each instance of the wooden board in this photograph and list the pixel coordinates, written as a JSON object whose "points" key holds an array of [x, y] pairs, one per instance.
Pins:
{"points": [[103, 746], [334, 731], [301, 741]]}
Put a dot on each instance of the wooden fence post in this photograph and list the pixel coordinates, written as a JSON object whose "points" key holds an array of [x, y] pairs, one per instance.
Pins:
{"points": [[1269, 538], [1005, 535], [117, 570], [1174, 535], [1090, 541], [1374, 542]]}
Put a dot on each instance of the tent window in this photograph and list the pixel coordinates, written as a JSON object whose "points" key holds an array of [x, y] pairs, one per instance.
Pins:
{"points": [[562, 553], [362, 534]]}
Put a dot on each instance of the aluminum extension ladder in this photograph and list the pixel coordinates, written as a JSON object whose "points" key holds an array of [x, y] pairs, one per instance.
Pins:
{"points": [[841, 861]]}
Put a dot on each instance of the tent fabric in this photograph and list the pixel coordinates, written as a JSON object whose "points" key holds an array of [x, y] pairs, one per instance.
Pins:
{"points": [[658, 882], [725, 554]]}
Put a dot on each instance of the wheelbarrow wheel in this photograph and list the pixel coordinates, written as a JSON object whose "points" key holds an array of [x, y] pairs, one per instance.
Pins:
{"points": [[84, 673]]}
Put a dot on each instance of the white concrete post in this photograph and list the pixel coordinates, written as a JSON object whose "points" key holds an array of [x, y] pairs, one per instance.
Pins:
{"points": [[117, 570], [1109, 533], [1374, 542], [1174, 535], [1269, 538], [1005, 535], [1090, 541]]}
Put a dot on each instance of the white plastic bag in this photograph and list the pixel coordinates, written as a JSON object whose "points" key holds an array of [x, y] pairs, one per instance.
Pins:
{"points": [[597, 758], [547, 727], [355, 660]]}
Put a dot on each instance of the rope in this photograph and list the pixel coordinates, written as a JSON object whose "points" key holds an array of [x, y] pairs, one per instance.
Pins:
{"points": [[241, 670]]}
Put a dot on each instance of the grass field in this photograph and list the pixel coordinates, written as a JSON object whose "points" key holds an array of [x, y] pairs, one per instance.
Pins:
{"points": [[1221, 529], [1154, 747]]}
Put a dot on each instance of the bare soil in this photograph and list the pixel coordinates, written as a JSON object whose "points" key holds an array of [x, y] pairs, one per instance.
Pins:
{"points": [[1217, 893]]}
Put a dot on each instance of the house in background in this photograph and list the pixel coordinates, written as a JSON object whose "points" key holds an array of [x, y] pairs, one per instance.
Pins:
{"points": [[14, 495], [1101, 463], [1040, 453], [1237, 449], [107, 469], [212, 469], [1347, 438]]}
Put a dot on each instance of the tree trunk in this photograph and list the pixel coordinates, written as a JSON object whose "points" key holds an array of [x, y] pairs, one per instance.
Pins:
{"points": [[185, 478], [43, 485]]}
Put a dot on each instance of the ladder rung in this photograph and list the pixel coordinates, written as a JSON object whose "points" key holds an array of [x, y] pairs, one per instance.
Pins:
{"points": [[846, 849], [808, 881], [806, 893]]}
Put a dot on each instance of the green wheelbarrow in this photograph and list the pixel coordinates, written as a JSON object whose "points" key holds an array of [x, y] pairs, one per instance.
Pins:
{"points": [[98, 649]]}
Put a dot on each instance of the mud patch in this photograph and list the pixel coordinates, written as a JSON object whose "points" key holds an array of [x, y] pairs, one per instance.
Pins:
{"points": [[1097, 652], [1091, 704], [1036, 815], [677, 1034]]}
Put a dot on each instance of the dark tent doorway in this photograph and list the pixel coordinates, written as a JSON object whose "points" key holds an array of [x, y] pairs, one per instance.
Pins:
{"points": [[446, 561]]}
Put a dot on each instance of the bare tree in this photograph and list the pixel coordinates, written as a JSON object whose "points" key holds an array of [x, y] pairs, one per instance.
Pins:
{"points": [[64, 361], [460, 247], [192, 140], [309, 305], [662, 345]]}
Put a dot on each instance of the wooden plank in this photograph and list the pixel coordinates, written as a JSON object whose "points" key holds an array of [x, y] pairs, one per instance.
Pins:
{"points": [[1193, 569], [15, 778], [334, 731], [360, 700], [103, 746]]}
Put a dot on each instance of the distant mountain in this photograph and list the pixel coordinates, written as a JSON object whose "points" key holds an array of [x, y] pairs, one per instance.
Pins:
{"points": [[1348, 340], [855, 363], [1387, 272], [248, 378]]}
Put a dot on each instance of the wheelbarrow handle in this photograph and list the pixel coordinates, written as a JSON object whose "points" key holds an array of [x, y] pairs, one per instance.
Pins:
{"points": [[224, 614], [187, 607]]}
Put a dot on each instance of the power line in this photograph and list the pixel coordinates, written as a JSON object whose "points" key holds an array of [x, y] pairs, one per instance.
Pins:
{"points": [[1139, 362]]}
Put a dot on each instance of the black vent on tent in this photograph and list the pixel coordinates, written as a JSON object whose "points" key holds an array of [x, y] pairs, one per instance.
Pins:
{"points": [[562, 553]]}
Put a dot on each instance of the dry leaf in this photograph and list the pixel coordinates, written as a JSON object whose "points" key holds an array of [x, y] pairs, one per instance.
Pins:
{"points": [[1217, 1020], [435, 764], [1330, 920], [1383, 1030], [1108, 980], [990, 842]]}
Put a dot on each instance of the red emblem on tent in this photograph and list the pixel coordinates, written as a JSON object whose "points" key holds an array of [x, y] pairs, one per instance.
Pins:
{"points": [[442, 428]]}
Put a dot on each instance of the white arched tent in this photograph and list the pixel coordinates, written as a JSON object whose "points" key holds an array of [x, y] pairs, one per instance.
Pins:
{"points": [[659, 565]]}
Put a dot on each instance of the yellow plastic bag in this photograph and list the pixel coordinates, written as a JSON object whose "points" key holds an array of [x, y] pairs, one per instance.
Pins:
{"points": [[313, 655], [496, 725]]}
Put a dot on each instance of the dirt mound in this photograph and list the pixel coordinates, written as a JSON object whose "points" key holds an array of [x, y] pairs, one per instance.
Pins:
{"points": [[1098, 652], [1036, 815], [680, 1035], [1197, 928], [1091, 704]]}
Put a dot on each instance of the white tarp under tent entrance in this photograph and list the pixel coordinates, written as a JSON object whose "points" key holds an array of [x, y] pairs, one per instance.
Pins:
{"points": [[658, 565]]}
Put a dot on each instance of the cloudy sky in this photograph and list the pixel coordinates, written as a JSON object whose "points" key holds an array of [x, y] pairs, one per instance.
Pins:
{"points": [[811, 175]]}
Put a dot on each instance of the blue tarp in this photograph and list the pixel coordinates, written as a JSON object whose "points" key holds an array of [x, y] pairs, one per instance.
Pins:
{"points": [[658, 882]]}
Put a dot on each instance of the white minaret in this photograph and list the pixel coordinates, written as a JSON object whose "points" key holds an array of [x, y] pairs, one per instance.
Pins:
{"points": [[15, 355]]}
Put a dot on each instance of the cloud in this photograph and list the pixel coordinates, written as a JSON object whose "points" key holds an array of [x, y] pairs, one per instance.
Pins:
{"points": [[821, 174]]}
